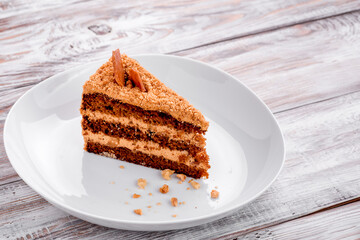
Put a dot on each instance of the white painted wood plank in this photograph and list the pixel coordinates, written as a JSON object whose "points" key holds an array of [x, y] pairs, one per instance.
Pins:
{"points": [[47, 37], [293, 66], [338, 223]]}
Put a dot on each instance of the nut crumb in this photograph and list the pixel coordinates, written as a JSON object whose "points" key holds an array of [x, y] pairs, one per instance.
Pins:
{"points": [[122, 167], [136, 195], [150, 194], [159, 203], [188, 188], [174, 201], [214, 194], [141, 183], [195, 185], [182, 177], [138, 211], [164, 189], [174, 215], [191, 180], [166, 174]]}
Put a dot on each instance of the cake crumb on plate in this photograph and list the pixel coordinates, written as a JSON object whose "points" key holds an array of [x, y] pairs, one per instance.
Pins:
{"points": [[150, 194], [195, 185], [136, 195], [164, 189], [174, 201], [159, 203], [174, 215], [138, 211], [122, 167], [214, 194], [166, 174], [141, 183], [182, 177]]}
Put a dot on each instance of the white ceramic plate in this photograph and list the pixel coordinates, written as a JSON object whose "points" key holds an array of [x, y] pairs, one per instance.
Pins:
{"points": [[44, 144]]}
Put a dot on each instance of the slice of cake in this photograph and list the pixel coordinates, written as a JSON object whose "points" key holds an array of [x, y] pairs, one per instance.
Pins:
{"points": [[128, 114]]}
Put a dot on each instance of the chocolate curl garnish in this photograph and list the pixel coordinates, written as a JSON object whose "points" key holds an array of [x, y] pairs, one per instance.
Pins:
{"points": [[119, 72], [135, 78]]}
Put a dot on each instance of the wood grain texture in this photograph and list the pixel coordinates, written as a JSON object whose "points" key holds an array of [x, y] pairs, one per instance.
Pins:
{"points": [[321, 170], [44, 38], [293, 66], [286, 68], [338, 223], [271, 46]]}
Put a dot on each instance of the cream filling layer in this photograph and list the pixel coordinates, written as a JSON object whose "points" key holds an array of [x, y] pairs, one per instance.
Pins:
{"points": [[142, 126], [150, 148]]}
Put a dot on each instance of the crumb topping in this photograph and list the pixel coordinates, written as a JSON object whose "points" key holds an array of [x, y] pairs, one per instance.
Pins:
{"points": [[164, 189], [157, 97], [166, 174]]}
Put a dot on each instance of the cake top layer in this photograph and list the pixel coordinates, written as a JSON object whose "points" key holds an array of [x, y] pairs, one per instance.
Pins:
{"points": [[157, 97]]}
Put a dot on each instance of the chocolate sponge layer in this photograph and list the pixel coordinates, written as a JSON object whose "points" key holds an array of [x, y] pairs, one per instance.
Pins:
{"points": [[140, 158], [102, 103]]}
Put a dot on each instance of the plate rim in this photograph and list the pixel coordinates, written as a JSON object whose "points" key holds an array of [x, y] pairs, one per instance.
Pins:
{"points": [[200, 219]]}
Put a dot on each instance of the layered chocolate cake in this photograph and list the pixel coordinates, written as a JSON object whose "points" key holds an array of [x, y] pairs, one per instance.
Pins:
{"points": [[128, 114]]}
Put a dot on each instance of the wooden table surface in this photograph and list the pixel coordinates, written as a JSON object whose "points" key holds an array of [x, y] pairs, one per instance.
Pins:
{"points": [[302, 57]]}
